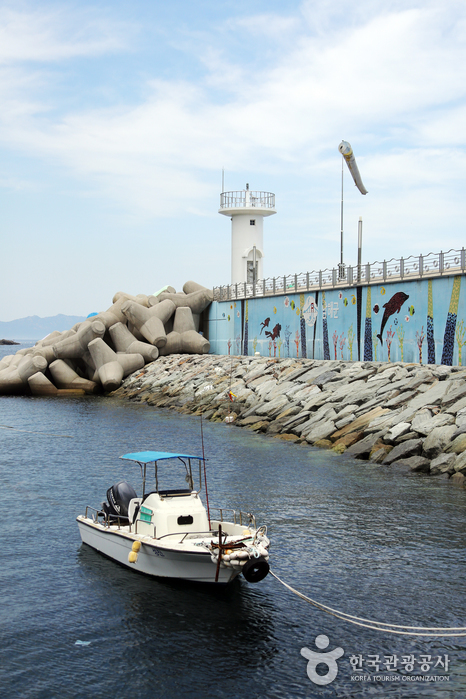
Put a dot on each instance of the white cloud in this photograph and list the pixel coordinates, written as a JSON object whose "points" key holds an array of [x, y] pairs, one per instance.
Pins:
{"points": [[390, 81], [52, 35]]}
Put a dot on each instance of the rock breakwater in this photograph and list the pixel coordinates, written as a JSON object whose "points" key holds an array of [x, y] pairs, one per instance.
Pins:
{"points": [[396, 414]]}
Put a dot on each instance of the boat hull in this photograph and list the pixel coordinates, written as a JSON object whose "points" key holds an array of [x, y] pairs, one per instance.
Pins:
{"points": [[155, 558]]}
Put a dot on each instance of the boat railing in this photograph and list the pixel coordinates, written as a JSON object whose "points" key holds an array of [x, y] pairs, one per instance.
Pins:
{"points": [[245, 519], [108, 520]]}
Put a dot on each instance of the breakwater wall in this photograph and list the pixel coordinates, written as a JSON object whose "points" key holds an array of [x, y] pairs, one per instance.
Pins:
{"points": [[397, 415], [422, 320]]}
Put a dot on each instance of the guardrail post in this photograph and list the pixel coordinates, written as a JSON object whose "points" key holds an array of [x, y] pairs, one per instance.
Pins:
{"points": [[421, 265], [334, 277], [350, 275], [368, 273], [463, 259], [236, 290], [284, 285], [402, 268], [296, 282], [441, 262], [273, 285], [320, 279], [245, 290], [263, 287], [307, 280], [384, 270]]}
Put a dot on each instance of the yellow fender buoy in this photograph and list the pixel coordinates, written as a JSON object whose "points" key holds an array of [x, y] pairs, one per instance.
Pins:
{"points": [[132, 557], [136, 546]]}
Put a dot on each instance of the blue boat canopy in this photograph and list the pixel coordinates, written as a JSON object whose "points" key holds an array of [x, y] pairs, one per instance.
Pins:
{"points": [[145, 457]]}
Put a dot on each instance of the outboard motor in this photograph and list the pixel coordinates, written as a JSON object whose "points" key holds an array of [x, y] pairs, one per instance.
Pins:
{"points": [[119, 497]]}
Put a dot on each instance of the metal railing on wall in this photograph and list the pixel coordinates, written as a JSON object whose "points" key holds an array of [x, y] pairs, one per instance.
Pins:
{"points": [[414, 267]]}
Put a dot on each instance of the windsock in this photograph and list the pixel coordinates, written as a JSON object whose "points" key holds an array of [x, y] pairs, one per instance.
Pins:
{"points": [[347, 152]]}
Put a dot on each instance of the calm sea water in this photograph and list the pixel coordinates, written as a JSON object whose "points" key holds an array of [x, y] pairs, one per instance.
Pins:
{"points": [[357, 537]]}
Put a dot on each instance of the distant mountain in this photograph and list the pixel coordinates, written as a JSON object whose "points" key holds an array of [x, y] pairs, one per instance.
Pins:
{"points": [[35, 328]]}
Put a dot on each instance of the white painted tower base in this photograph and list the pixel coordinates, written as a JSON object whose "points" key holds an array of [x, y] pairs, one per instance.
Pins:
{"points": [[247, 210]]}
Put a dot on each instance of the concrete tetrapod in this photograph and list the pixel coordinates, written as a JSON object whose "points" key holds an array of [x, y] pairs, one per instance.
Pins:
{"points": [[13, 379], [77, 345], [112, 367], [150, 322], [65, 377], [109, 369], [124, 341], [197, 301], [41, 386], [184, 338], [142, 299]]}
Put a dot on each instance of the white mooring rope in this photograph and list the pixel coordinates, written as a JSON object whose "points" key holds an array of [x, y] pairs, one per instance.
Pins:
{"points": [[376, 625]]}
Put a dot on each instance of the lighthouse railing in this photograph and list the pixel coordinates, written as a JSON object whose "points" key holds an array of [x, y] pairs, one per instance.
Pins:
{"points": [[396, 269], [246, 198]]}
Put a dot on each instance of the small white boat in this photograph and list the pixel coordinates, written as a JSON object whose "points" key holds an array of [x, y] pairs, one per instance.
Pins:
{"points": [[170, 534]]}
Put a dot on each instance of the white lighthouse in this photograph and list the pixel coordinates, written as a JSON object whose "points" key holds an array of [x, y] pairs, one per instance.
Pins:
{"points": [[247, 210]]}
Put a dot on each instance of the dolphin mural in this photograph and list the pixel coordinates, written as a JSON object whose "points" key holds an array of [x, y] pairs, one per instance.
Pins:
{"points": [[392, 306]]}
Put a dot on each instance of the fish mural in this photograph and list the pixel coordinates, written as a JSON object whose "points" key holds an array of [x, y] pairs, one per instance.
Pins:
{"points": [[392, 306], [265, 324]]}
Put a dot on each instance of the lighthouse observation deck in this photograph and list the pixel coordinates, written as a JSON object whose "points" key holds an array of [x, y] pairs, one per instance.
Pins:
{"points": [[247, 199]]}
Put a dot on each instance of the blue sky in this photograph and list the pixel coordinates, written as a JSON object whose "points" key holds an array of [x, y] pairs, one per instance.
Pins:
{"points": [[118, 117]]}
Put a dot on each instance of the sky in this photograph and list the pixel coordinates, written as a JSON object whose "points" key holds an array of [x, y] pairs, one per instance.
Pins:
{"points": [[118, 117]]}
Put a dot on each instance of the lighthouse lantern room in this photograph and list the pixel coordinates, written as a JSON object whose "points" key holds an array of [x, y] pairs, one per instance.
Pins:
{"points": [[247, 210]]}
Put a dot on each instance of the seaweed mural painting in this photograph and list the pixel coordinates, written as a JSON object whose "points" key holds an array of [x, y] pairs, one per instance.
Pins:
{"points": [[342, 343], [460, 339], [302, 326], [350, 341], [430, 325], [420, 337], [389, 340], [450, 325], [368, 329], [401, 337], [296, 341], [288, 334], [374, 340], [325, 328], [335, 342]]}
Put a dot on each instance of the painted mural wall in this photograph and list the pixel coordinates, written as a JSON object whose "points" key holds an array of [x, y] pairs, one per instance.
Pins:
{"points": [[411, 321]]}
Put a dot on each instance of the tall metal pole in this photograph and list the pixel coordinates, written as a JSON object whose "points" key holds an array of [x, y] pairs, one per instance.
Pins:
{"points": [[359, 248], [341, 268]]}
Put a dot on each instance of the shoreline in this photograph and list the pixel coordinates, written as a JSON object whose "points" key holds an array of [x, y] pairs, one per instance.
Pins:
{"points": [[408, 415]]}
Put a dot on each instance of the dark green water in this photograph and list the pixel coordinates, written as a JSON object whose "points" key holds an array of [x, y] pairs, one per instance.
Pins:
{"points": [[360, 538]]}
